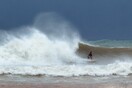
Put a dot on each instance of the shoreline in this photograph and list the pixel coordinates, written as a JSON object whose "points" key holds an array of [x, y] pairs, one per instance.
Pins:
{"points": [[65, 85], [13, 81]]}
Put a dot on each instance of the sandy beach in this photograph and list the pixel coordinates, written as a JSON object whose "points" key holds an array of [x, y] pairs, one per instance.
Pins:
{"points": [[64, 82], [65, 86]]}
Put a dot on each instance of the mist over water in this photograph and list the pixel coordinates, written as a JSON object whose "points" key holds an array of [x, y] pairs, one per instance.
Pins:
{"points": [[49, 47], [55, 26], [48, 43]]}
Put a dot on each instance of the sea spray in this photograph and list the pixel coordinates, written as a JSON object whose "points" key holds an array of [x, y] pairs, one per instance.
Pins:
{"points": [[38, 48], [41, 44]]}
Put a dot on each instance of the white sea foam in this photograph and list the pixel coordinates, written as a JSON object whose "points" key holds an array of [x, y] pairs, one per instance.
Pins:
{"points": [[121, 68]]}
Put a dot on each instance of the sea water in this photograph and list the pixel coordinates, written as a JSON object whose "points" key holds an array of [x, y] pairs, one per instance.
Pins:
{"points": [[50, 49]]}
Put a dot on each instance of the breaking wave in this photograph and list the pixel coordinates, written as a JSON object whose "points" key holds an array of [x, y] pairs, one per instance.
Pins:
{"points": [[51, 47]]}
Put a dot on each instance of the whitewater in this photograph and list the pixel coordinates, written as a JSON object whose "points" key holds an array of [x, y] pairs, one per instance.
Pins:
{"points": [[53, 53]]}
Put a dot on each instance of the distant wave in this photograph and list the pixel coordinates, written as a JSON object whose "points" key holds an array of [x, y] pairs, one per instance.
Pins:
{"points": [[112, 43]]}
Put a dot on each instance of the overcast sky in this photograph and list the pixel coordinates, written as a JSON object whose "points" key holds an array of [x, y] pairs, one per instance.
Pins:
{"points": [[95, 19]]}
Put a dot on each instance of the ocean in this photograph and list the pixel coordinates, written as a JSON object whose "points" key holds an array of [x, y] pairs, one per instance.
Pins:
{"points": [[37, 53], [53, 47]]}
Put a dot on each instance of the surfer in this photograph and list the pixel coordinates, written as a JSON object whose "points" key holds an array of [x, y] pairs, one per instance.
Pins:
{"points": [[90, 55]]}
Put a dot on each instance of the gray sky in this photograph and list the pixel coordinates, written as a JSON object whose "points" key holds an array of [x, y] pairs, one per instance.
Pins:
{"points": [[95, 19]]}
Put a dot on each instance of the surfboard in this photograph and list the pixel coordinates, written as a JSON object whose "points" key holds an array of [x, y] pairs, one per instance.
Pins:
{"points": [[91, 61]]}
